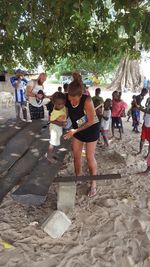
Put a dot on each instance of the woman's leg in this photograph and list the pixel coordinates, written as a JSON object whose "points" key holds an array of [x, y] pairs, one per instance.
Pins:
{"points": [[92, 164], [77, 147]]}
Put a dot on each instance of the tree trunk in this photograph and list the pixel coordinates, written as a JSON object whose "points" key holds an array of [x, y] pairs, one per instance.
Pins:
{"points": [[128, 77]]}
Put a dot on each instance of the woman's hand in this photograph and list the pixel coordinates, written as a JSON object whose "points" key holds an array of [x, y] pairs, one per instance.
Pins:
{"points": [[70, 134]]}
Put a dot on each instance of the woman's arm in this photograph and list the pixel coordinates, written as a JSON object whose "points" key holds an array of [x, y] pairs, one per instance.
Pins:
{"points": [[29, 90], [144, 109], [90, 113]]}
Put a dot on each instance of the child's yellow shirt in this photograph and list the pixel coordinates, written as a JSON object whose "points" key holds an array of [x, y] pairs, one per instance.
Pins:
{"points": [[59, 115]]}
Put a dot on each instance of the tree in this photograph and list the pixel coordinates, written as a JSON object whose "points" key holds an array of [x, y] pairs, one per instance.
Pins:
{"points": [[85, 66], [128, 76], [44, 31]]}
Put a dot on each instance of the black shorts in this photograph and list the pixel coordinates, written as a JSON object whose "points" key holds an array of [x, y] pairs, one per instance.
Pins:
{"points": [[36, 112], [90, 134], [116, 122]]}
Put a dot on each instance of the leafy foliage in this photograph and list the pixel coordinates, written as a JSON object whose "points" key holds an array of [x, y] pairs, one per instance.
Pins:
{"points": [[33, 31]]}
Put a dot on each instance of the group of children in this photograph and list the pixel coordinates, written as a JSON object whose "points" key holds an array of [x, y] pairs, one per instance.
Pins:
{"points": [[109, 113], [134, 112]]}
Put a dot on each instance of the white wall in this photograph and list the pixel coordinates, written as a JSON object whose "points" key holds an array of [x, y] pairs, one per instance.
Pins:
{"points": [[6, 86]]}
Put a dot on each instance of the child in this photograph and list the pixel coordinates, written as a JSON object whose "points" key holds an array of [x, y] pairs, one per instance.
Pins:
{"points": [[98, 108], [57, 121], [118, 109], [145, 135], [85, 90], [135, 115], [98, 103], [129, 113], [65, 87], [60, 89], [97, 96], [105, 121], [40, 100]]}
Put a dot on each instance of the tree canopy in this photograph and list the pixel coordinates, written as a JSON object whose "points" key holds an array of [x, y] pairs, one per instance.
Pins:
{"points": [[33, 31]]}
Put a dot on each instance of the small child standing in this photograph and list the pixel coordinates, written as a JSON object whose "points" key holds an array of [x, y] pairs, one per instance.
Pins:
{"points": [[135, 116], [98, 103], [118, 109], [57, 122], [97, 96], [145, 135], [129, 113], [105, 121]]}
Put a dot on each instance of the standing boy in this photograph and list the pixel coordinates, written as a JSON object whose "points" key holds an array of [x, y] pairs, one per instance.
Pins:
{"points": [[19, 83], [118, 109]]}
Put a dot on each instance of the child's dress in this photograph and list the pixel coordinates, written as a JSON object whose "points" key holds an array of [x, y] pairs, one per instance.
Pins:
{"points": [[135, 117], [105, 124]]}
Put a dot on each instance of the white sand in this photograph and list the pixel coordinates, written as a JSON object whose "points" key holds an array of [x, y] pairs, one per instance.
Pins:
{"points": [[110, 230]]}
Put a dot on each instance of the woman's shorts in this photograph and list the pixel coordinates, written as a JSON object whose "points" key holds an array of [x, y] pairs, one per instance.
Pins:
{"points": [[90, 134]]}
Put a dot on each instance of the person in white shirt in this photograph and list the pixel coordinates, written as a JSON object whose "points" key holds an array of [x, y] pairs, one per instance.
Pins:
{"points": [[145, 135], [36, 95], [105, 120]]}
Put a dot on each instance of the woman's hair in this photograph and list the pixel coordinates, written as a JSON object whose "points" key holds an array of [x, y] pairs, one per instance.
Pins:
{"points": [[77, 76], [76, 86], [58, 95]]}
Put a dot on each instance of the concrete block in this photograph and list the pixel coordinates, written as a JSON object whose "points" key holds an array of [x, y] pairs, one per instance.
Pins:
{"points": [[56, 224], [66, 196]]}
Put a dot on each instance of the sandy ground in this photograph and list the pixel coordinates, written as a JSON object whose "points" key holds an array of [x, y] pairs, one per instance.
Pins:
{"points": [[110, 230]]}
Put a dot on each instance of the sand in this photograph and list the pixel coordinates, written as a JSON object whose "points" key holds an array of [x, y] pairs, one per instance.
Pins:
{"points": [[110, 230]]}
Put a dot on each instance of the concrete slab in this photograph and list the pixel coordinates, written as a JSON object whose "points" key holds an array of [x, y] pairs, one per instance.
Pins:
{"points": [[56, 224], [35, 188], [25, 164], [66, 196], [18, 146]]}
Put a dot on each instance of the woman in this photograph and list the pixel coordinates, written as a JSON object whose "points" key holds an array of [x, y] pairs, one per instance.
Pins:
{"points": [[85, 130]]}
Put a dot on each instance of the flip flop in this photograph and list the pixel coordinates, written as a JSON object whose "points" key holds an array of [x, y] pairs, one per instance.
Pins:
{"points": [[92, 192]]}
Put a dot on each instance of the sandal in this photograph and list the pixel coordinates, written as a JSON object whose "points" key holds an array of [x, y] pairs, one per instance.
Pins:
{"points": [[92, 192]]}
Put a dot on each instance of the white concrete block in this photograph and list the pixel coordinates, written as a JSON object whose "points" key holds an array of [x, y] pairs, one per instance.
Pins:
{"points": [[56, 224], [66, 196]]}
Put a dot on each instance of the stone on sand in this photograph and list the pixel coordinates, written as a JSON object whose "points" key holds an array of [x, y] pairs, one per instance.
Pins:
{"points": [[56, 224], [66, 196]]}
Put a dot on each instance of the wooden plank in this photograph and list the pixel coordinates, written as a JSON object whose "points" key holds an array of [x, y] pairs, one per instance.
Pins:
{"points": [[87, 178], [18, 146], [25, 164], [9, 130], [36, 186]]}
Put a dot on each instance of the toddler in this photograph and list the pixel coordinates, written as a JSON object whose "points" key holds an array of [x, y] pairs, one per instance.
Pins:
{"points": [[57, 122]]}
